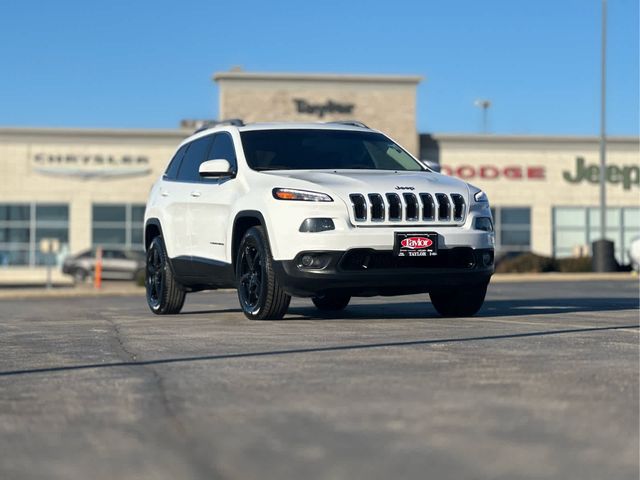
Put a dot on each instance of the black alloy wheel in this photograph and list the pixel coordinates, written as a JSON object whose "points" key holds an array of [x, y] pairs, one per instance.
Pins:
{"points": [[251, 275], [164, 295], [259, 293]]}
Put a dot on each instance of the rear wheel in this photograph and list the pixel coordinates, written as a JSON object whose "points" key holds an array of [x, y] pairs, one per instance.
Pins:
{"points": [[331, 302], [460, 302], [80, 275], [259, 293], [165, 296]]}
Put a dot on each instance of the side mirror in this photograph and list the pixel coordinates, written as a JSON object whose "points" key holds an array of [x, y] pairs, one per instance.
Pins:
{"points": [[216, 168]]}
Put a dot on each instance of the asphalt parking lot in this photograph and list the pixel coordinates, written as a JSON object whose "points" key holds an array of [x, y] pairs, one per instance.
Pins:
{"points": [[542, 384]]}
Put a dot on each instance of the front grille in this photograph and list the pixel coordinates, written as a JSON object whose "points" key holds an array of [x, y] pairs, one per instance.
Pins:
{"points": [[458, 206], [359, 206], [377, 207], [439, 208], [395, 206], [444, 207], [362, 259], [412, 207], [428, 207]]}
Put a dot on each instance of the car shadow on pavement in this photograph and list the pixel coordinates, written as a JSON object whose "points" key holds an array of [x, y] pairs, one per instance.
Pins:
{"points": [[413, 310], [491, 308], [312, 350]]}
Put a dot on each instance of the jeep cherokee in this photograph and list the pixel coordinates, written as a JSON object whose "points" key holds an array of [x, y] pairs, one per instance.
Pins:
{"points": [[321, 210]]}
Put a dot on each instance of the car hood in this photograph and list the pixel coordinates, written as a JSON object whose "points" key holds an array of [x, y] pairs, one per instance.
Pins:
{"points": [[346, 182]]}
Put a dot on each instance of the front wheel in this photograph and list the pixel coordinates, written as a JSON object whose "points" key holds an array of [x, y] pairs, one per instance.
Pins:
{"points": [[165, 296], [331, 302], [459, 302], [259, 293]]}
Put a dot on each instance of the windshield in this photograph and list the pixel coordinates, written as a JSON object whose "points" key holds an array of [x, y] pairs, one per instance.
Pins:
{"points": [[308, 149]]}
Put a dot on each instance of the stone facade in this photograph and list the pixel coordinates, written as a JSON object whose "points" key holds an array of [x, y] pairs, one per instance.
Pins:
{"points": [[387, 103]]}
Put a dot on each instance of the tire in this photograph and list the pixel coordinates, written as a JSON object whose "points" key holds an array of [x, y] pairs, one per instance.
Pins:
{"points": [[165, 296], [461, 302], [80, 275], [259, 294], [331, 302]]}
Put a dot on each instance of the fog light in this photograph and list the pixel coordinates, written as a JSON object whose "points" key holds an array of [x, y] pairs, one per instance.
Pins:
{"points": [[317, 225], [484, 223], [313, 261], [487, 258]]}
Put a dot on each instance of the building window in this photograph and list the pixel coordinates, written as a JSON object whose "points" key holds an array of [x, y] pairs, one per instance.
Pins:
{"points": [[575, 228], [24, 225], [117, 226], [513, 228]]}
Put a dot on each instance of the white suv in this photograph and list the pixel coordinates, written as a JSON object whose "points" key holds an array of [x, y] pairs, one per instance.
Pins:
{"points": [[327, 211]]}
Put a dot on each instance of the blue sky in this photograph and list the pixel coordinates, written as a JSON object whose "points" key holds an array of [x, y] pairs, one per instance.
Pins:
{"points": [[148, 64]]}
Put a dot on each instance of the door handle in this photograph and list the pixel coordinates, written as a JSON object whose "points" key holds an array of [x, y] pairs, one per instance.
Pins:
{"points": [[164, 193], [195, 193]]}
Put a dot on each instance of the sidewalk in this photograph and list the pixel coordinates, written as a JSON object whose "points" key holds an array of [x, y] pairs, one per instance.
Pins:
{"points": [[112, 288]]}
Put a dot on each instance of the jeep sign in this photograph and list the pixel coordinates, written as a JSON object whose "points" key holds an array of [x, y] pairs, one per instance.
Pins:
{"points": [[627, 175]]}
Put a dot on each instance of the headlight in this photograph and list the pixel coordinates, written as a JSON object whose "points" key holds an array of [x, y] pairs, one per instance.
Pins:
{"points": [[481, 197], [484, 223], [300, 195]]}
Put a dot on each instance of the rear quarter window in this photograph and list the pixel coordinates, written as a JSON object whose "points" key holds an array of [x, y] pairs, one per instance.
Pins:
{"points": [[174, 165]]}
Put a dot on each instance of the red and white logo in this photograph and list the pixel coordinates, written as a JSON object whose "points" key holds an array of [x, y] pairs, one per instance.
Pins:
{"points": [[414, 243]]}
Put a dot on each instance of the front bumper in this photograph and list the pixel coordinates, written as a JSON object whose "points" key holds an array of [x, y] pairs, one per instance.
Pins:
{"points": [[368, 272]]}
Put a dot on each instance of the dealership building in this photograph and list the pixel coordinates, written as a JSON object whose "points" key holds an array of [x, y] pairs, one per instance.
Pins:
{"points": [[88, 187]]}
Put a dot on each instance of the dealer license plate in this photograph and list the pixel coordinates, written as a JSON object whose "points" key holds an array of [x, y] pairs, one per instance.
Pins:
{"points": [[415, 244]]}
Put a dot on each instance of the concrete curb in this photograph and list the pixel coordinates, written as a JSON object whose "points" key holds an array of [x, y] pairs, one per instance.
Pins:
{"points": [[563, 277]]}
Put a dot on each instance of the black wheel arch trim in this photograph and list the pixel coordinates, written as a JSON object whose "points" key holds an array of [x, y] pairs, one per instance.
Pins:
{"points": [[235, 242], [151, 222], [156, 223]]}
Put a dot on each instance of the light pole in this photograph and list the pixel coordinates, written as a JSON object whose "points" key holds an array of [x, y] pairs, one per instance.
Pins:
{"points": [[484, 104], [603, 250]]}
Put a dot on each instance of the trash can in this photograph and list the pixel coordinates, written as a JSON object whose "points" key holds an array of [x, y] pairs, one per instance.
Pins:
{"points": [[603, 258]]}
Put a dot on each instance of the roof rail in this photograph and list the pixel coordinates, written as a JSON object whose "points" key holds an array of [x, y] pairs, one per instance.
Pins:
{"points": [[236, 122], [352, 123]]}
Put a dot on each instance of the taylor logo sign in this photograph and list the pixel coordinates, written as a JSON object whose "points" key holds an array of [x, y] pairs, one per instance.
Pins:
{"points": [[88, 166], [627, 175], [416, 242], [321, 109]]}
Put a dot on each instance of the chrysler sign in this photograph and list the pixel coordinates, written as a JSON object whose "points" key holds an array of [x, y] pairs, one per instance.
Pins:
{"points": [[88, 166]]}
